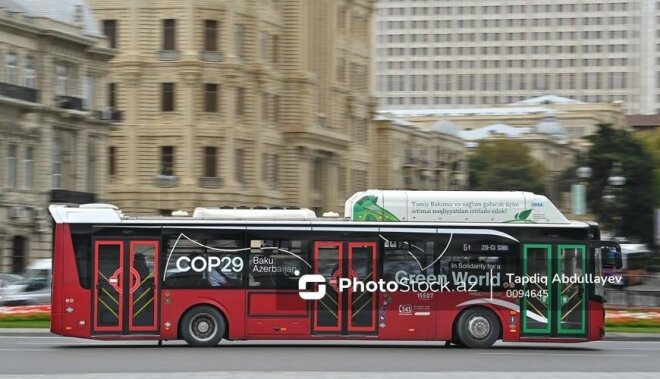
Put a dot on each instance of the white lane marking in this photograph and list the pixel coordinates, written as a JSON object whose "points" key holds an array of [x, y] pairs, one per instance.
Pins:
{"points": [[636, 341], [571, 354], [28, 350], [21, 337], [634, 348], [345, 375], [100, 343]]}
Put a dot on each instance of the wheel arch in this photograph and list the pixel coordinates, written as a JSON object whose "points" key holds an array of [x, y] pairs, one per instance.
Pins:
{"points": [[217, 307], [487, 307]]}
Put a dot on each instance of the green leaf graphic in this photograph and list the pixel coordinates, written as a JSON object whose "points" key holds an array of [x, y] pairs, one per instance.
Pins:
{"points": [[367, 209], [525, 214]]}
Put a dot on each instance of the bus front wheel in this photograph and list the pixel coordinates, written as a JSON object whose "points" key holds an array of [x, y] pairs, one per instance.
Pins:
{"points": [[203, 326], [477, 328]]}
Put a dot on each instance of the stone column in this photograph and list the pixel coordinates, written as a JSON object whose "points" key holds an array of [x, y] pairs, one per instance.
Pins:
{"points": [[131, 80], [80, 158], [228, 153], [190, 80]]}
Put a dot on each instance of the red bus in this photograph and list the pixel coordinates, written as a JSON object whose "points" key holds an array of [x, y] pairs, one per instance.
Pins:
{"points": [[286, 274]]}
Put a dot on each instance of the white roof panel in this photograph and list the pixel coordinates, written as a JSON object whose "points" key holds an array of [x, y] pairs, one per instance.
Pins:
{"points": [[464, 111], [493, 130], [547, 99]]}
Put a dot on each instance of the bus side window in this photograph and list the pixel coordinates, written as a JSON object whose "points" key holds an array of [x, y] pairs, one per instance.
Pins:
{"points": [[200, 263], [406, 258], [277, 264], [226, 262], [82, 249]]}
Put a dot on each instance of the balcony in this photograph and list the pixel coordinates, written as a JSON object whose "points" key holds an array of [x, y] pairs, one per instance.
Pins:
{"points": [[211, 56], [19, 92], [169, 55], [210, 182], [69, 102], [109, 115], [166, 181]]}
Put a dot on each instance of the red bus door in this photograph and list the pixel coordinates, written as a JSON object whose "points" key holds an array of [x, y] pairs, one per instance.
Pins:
{"points": [[347, 311], [126, 283]]}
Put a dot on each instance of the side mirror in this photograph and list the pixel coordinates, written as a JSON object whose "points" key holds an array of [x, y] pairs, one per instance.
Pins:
{"points": [[610, 253]]}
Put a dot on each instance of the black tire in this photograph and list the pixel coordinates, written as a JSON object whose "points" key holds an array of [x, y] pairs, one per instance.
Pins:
{"points": [[477, 328], [203, 326]]}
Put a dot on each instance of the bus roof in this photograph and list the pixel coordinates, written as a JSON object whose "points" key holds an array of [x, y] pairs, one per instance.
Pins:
{"points": [[453, 206], [114, 216], [461, 207]]}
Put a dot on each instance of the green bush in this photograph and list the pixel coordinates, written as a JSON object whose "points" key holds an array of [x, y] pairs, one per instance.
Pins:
{"points": [[634, 324], [25, 317]]}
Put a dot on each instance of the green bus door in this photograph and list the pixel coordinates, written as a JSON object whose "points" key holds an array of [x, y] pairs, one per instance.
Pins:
{"points": [[554, 302]]}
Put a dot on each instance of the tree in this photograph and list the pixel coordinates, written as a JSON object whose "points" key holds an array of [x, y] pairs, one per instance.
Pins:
{"points": [[505, 165], [651, 141], [631, 213]]}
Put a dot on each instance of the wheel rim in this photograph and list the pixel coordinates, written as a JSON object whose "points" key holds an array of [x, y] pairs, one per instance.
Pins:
{"points": [[203, 327], [478, 327]]}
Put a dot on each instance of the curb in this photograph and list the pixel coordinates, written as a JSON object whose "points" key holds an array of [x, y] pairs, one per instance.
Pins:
{"points": [[632, 337], [26, 332]]}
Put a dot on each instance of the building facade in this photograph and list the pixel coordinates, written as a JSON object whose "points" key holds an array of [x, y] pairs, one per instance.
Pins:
{"points": [[552, 127], [439, 53], [643, 123], [578, 119], [409, 157], [239, 103], [548, 144], [53, 61]]}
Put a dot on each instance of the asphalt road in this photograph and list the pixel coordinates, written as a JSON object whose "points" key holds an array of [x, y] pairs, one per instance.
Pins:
{"points": [[56, 357]]}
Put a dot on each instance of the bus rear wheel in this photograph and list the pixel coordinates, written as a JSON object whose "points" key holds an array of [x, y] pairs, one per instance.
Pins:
{"points": [[477, 328], [203, 326]]}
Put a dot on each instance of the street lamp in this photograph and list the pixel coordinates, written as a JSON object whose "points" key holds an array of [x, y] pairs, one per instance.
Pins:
{"points": [[615, 181], [584, 172], [579, 190]]}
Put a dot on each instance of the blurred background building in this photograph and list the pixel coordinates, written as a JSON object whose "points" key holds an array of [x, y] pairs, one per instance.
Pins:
{"points": [[408, 156], [161, 106], [577, 119], [553, 128], [644, 123], [241, 103], [448, 54], [52, 134]]}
